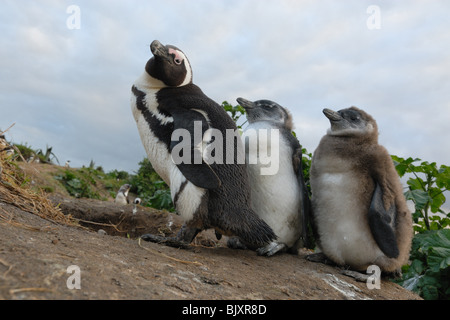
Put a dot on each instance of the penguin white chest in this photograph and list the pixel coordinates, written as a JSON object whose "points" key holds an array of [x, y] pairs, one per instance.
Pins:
{"points": [[340, 211], [276, 196]]}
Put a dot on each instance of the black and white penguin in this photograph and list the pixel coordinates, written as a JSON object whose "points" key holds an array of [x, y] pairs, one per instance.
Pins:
{"points": [[279, 194], [207, 194], [122, 194], [359, 208]]}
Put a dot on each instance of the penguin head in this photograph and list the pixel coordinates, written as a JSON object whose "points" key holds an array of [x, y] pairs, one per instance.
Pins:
{"points": [[350, 122], [169, 65], [124, 189], [266, 110]]}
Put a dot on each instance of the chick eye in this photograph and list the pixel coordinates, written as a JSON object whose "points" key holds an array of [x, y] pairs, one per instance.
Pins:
{"points": [[178, 61]]}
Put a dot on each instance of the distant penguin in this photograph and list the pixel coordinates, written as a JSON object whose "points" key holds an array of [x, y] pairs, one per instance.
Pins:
{"points": [[122, 194], [207, 194], [67, 164], [135, 203], [280, 198], [359, 208]]}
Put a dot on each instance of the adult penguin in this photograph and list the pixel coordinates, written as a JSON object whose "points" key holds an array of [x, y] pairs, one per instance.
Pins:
{"points": [[206, 191], [279, 192], [359, 208]]}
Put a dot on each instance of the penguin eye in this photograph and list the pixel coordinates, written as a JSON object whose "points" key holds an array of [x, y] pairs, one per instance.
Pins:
{"points": [[178, 61]]}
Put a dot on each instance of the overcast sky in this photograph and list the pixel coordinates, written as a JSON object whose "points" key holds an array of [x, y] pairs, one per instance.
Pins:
{"points": [[65, 82]]}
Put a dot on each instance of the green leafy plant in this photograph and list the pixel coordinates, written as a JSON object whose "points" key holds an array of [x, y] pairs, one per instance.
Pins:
{"points": [[236, 112], [428, 274], [26, 151], [147, 184], [426, 188], [161, 198], [77, 185], [46, 156]]}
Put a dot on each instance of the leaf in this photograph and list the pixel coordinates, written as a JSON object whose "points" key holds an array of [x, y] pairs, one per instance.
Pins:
{"points": [[430, 292], [429, 169], [412, 283], [439, 258], [438, 199], [440, 238], [443, 177], [437, 245], [420, 198], [74, 183], [402, 166], [416, 184]]}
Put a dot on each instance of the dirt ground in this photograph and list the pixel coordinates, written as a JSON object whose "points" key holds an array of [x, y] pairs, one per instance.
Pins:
{"points": [[110, 262]]}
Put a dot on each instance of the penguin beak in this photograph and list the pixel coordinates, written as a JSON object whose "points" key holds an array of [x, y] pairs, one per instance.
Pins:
{"points": [[245, 103], [159, 50], [332, 115]]}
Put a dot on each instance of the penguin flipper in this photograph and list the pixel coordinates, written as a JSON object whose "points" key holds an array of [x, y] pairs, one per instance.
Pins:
{"points": [[382, 224], [202, 175], [182, 240], [192, 166]]}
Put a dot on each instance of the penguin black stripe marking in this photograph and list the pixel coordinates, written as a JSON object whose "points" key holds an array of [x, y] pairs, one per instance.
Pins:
{"points": [[177, 194], [162, 131], [164, 99]]}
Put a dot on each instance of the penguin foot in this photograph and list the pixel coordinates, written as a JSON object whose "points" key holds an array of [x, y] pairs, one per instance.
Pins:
{"points": [[235, 243], [168, 241], [397, 274], [271, 249], [358, 276], [320, 258]]}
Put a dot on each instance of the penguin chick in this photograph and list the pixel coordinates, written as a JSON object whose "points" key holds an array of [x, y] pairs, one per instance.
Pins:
{"points": [[122, 194], [280, 198], [207, 194], [359, 208]]}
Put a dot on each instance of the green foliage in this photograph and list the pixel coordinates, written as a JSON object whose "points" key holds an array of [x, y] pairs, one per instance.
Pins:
{"points": [[426, 189], [429, 272], [147, 184], [235, 112], [118, 175], [26, 151], [48, 156], [78, 184], [83, 182], [161, 198], [306, 166]]}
